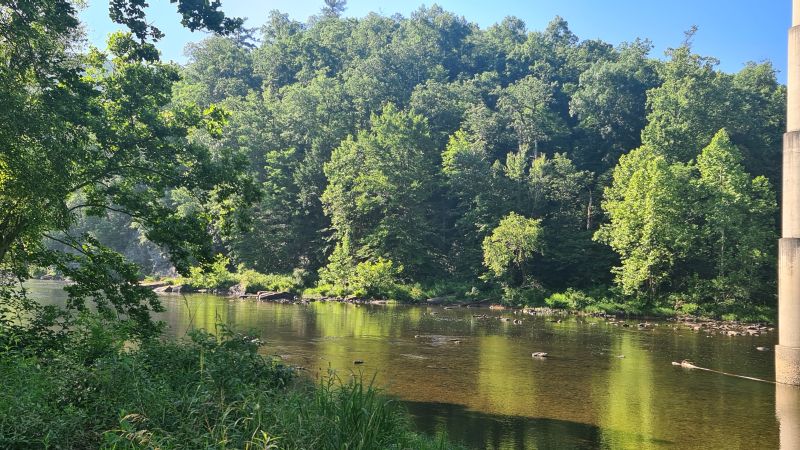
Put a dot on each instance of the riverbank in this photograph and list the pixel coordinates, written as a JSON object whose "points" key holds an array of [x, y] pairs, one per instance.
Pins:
{"points": [[744, 321], [201, 392]]}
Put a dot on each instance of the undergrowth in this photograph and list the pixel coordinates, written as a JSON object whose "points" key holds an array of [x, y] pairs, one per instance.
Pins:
{"points": [[199, 392]]}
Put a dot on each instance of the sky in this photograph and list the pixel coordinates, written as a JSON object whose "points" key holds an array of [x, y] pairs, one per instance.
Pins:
{"points": [[733, 31]]}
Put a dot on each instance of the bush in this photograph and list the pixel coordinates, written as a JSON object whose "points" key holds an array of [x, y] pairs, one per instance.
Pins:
{"points": [[378, 279], [253, 282], [214, 276], [371, 279], [522, 296], [218, 277], [570, 299]]}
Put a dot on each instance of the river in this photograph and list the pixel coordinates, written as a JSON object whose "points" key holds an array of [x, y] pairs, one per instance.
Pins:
{"points": [[602, 385]]}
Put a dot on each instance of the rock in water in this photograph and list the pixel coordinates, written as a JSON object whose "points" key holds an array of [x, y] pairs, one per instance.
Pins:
{"points": [[358, 361], [539, 355]]}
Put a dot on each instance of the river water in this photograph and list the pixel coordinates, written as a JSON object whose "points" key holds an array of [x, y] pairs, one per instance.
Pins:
{"points": [[602, 386]]}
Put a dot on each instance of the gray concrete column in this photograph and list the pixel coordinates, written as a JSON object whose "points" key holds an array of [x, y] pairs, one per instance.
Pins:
{"points": [[791, 185], [787, 352], [787, 410]]}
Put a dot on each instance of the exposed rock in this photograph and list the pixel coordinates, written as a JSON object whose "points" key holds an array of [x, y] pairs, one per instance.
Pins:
{"points": [[476, 303], [237, 290], [355, 300], [168, 289], [268, 296], [163, 290], [440, 300]]}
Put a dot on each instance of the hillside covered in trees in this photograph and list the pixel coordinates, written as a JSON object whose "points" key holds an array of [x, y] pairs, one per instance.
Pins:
{"points": [[411, 156]]}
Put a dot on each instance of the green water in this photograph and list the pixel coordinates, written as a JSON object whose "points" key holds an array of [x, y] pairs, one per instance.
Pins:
{"points": [[488, 392]]}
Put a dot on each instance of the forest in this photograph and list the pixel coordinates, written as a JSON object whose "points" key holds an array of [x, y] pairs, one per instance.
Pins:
{"points": [[409, 157]]}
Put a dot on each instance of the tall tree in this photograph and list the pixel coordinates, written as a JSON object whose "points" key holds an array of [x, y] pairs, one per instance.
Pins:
{"points": [[219, 68], [651, 209], [528, 105], [610, 104], [379, 188], [738, 224], [92, 133], [478, 200], [508, 251], [704, 228], [334, 8]]}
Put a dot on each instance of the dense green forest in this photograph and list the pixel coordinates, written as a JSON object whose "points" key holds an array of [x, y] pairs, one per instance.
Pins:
{"points": [[401, 157], [408, 156]]}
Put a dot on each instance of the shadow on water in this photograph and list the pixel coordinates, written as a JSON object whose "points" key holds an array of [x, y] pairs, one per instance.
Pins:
{"points": [[480, 430]]}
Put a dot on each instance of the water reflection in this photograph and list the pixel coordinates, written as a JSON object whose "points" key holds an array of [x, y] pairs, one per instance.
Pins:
{"points": [[476, 379], [628, 392], [502, 432]]}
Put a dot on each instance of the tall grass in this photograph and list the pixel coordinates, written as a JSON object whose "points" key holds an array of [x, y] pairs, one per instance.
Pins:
{"points": [[200, 393]]}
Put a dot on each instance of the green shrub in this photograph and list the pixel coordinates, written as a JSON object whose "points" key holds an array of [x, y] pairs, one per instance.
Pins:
{"points": [[523, 296], [214, 276], [378, 279], [570, 299], [253, 281], [218, 277]]}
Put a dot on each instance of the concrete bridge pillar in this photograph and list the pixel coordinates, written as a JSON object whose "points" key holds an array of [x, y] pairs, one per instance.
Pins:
{"points": [[787, 410], [787, 353]]}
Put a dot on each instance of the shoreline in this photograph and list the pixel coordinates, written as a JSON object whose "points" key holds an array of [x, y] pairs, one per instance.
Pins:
{"points": [[641, 322]]}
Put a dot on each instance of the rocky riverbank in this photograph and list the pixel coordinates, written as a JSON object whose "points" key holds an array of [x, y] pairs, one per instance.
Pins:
{"points": [[640, 323]]}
